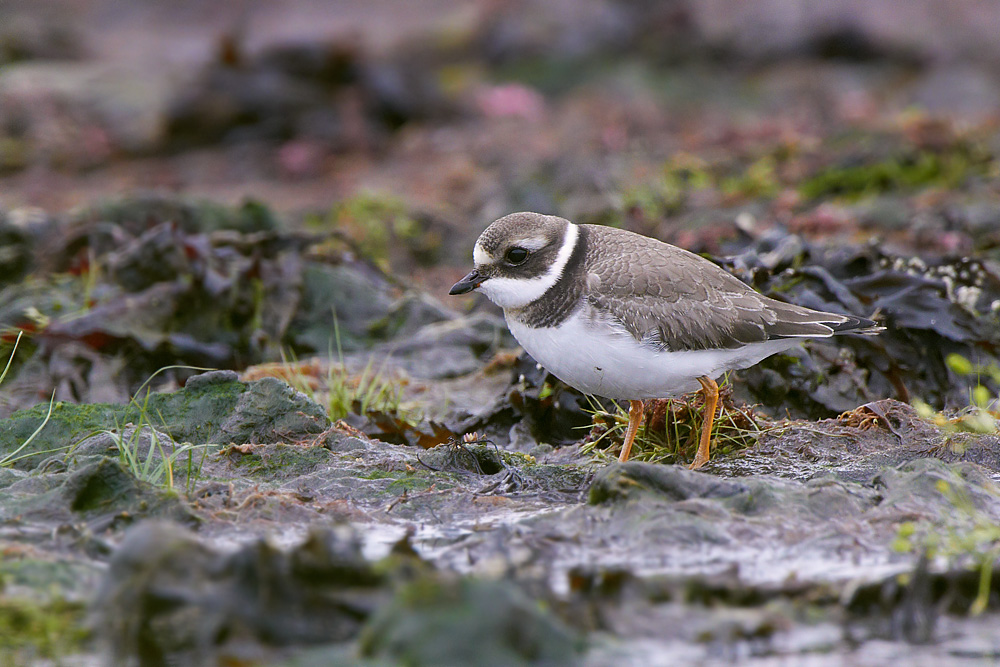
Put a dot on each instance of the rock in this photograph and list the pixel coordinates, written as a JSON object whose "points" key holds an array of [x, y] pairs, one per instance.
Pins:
{"points": [[143, 443], [271, 463], [223, 102], [106, 488], [218, 411], [157, 256], [330, 92], [886, 212], [979, 218], [402, 89], [964, 91], [674, 482], [409, 313], [206, 604], [340, 304], [102, 493], [467, 622], [449, 348], [269, 410], [9, 476], [15, 252], [558, 30], [99, 108], [140, 212], [26, 36], [202, 380]]}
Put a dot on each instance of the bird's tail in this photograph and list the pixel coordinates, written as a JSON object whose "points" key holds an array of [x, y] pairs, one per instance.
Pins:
{"points": [[861, 326]]}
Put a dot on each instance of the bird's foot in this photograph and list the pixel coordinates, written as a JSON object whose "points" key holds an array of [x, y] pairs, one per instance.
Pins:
{"points": [[698, 462]]}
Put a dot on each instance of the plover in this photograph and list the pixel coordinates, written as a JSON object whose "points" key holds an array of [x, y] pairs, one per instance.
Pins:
{"points": [[620, 315]]}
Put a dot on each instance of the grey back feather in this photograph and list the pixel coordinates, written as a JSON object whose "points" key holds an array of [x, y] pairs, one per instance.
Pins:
{"points": [[673, 299]]}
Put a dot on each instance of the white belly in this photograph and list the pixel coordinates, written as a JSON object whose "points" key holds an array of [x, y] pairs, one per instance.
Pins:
{"points": [[605, 360]]}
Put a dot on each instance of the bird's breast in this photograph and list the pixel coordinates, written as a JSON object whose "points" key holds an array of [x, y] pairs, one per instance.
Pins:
{"points": [[597, 355]]}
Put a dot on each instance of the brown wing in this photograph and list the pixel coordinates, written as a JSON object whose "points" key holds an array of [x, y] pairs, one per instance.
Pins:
{"points": [[673, 299]]}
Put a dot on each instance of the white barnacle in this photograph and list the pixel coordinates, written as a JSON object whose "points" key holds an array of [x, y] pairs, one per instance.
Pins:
{"points": [[949, 287], [967, 296]]}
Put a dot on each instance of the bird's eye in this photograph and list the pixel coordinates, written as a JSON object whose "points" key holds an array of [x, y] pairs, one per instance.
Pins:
{"points": [[516, 255]]}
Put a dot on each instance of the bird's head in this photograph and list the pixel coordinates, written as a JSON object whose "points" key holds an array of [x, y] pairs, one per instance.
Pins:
{"points": [[519, 257]]}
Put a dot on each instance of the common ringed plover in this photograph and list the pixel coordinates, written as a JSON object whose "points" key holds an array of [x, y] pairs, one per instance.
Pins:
{"points": [[616, 314]]}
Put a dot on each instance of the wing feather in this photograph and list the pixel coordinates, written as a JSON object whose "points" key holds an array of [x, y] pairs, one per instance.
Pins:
{"points": [[673, 299]]}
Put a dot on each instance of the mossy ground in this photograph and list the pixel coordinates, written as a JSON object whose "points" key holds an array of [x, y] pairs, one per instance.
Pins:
{"points": [[32, 631], [188, 415], [192, 415], [278, 461], [408, 481], [41, 612], [908, 170]]}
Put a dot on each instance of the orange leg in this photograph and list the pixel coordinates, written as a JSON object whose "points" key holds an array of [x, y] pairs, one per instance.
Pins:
{"points": [[634, 417], [711, 393]]}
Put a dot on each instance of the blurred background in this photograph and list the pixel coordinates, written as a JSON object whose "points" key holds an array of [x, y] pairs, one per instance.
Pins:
{"points": [[465, 111], [781, 128]]}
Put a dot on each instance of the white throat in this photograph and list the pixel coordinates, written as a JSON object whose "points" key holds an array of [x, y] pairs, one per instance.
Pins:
{"points": [[519, 292]]}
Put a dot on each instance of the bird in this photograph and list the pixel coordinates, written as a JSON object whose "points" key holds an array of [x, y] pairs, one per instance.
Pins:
{"points": [[617, 314]]}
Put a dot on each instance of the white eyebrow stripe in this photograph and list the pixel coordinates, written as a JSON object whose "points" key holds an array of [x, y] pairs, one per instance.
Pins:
{"points": [[480, 256], [532, 244]]}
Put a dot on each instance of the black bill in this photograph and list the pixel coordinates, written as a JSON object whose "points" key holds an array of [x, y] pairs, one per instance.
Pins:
{"points": [[467, 284]]}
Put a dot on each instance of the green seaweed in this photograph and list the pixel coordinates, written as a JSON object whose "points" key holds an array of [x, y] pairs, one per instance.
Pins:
{"points": [[375, 222], [67, 425], [191, 415], [280, 461], [411, 484], [910, 170]]}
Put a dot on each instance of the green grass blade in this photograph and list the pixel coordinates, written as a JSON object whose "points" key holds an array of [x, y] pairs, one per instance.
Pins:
{"points": [[8, 459], [11, 359]]}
